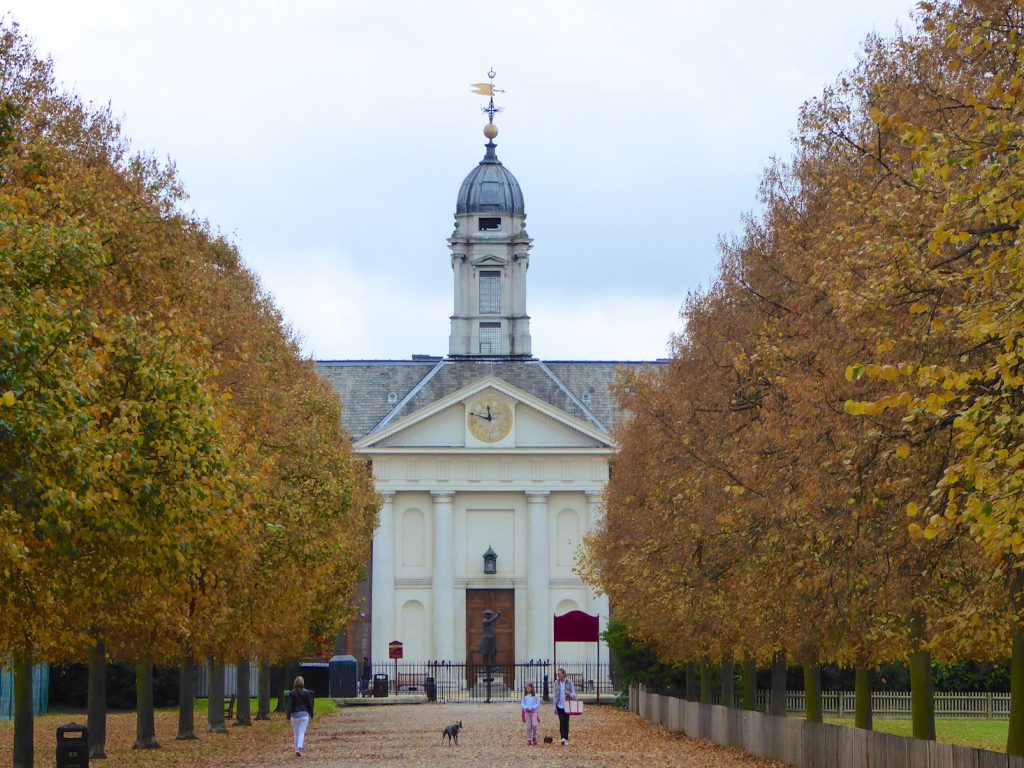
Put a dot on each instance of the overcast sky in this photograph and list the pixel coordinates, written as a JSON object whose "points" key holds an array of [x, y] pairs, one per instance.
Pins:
{"points": [[328, 139]]}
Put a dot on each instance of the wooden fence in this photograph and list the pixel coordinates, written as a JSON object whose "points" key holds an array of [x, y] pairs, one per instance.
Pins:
{"points": [[802, 744]]}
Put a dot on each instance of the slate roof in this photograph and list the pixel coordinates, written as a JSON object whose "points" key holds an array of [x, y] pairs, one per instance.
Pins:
{"points": [[364, 386]]}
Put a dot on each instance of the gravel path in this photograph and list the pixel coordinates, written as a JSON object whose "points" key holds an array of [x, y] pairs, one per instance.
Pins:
{"points": [[401, 736], [493, 737]]}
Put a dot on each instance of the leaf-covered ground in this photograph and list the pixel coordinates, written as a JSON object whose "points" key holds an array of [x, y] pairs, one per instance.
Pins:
{"points": [[404, 736]]}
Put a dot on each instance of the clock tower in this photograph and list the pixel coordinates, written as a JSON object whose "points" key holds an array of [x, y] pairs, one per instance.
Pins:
{"points": [[490, 257], [489, 462]]}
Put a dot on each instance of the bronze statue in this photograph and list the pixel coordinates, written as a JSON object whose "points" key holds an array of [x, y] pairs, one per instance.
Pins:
{"points": [[489, 645]]}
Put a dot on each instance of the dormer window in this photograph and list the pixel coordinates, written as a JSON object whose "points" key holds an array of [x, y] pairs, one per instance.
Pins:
{"points": [[490, 291], [490, 223]]}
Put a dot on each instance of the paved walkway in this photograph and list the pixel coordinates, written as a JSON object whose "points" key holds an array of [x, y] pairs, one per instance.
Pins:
{"points": [[492, 737]]}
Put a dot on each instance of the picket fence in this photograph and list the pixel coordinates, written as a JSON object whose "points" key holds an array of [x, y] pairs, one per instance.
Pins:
{"points": [[202, 681], [801, 744], [895, 705]]}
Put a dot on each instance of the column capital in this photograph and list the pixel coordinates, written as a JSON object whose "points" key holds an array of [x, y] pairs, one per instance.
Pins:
{"points": [[442, 495], [536, 496], [594, 497], [387, 496]]}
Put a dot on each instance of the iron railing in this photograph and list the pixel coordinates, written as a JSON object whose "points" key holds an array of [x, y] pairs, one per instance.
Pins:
{"points": [[457, 681]]}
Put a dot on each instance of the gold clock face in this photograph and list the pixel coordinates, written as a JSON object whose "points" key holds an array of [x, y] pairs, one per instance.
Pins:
{"points": [[489, 419]]}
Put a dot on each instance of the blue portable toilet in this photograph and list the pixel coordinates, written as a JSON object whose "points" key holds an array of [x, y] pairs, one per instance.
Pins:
{"points": [[344, 674]]}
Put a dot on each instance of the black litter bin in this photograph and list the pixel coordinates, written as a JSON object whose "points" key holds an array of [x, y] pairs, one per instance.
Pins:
{"points": [[430, 686], [380, 686], [72, 746]]}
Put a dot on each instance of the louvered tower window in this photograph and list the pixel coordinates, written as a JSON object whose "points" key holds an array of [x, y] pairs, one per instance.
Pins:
{"points": [[490, 338], [490, 292]]}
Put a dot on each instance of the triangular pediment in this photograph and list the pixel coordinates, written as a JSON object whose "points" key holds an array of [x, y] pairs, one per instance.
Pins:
{"points": [[534, 425], [490, 260]]}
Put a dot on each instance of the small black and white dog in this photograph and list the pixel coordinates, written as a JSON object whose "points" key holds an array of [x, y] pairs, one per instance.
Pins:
{"points": [[452, 732]]}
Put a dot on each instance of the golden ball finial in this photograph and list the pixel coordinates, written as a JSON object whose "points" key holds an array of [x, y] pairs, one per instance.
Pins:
{"points": [[490, 130]]}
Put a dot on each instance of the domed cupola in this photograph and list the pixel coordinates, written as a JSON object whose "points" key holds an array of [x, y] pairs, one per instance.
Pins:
{"points": [[490, 257], [490, 188]]}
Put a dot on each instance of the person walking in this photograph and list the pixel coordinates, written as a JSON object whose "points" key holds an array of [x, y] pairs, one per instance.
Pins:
{"points": [[564, 691], [364, 678], [299, 711], [531, 713]]}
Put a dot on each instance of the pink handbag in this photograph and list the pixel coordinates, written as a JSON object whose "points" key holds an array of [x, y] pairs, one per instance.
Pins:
{"points": [[574, 707]]}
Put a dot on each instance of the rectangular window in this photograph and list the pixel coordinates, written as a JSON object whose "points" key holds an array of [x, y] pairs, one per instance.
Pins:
{"points": [[490, 291], [490, 224], [490, 338]]}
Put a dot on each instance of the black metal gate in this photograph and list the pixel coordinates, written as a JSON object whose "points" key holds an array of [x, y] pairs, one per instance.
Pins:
{"points": [[458, 682]]}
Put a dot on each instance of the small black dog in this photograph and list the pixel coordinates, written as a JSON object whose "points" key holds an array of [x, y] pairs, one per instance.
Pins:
{"points": [[548, 740], [452, 732]]}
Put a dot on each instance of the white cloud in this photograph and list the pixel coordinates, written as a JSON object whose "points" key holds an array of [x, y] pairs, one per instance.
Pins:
{"points": [[330, 137]]}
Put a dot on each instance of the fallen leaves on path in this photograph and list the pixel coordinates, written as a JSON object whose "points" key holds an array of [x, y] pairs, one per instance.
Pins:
{"points": [[404, 737]]}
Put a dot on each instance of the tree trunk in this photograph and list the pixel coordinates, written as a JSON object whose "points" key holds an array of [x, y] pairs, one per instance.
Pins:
{"points": [[215, 692], [145, 723], [705, 682], [263, 711], [812, 693], [691, 681], [96, 719], [728, 683], [1015, 736], [749, 701], [778, 702], [243, 700], [186, 700], [23, 715], [862, 699], [922, 695]]}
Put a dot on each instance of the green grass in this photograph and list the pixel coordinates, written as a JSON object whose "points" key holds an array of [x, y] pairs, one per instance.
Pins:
{"points": [[203, 705], [983, 734]]}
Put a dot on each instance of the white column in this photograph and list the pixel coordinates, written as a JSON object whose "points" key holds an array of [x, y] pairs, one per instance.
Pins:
{"points": [[538, 577], [382, 583], [443, 582], [598, 603]]}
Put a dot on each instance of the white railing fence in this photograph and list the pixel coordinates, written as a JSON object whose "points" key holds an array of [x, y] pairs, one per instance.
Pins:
{"points": [[896, 704], [230, 680], [803, 744]]}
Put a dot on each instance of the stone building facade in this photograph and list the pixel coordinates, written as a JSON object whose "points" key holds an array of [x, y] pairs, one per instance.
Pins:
{"points": [[486, 451]]}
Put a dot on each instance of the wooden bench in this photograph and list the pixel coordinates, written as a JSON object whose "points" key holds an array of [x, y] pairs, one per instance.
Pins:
{"points": [[411, 681], [229, 708], [579, 683]]}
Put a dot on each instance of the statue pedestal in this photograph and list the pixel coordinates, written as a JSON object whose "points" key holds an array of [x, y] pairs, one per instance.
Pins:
{"points": [[496, 680]]}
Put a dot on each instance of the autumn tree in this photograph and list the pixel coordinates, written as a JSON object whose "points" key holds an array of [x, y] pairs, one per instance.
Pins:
{"points": [[163, 444]]}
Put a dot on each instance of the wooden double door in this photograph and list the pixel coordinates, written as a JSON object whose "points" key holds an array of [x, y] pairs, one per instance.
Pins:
{"points": [[477, 601]]}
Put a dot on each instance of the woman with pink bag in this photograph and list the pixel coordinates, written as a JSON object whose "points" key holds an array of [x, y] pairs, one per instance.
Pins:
{"points": [[564, 692]]}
